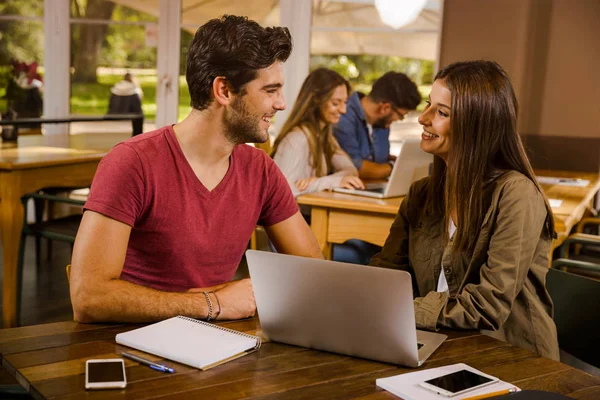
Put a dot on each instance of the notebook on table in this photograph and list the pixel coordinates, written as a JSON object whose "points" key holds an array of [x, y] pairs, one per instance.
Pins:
{"points": [[191, 342]]}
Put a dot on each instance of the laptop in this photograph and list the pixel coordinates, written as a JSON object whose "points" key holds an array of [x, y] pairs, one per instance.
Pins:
{"points": [[411, 165], [350, 309]]}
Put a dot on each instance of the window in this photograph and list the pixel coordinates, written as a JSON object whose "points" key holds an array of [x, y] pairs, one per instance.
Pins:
{"points": [[109, 40]]}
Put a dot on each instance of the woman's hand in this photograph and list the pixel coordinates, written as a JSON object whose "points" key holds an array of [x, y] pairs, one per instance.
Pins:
{"points": [[352, 182], [303, 184]]}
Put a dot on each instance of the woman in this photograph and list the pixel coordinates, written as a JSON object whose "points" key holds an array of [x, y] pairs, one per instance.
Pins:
{"points": [[476, 234], [305, 149]]}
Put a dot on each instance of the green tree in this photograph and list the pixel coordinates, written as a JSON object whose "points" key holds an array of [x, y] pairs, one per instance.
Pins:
{"points": [[87, 39], [362, 70], [125, 45], [21, 40]]}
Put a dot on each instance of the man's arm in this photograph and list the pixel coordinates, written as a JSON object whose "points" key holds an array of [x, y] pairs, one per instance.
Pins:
{"points": [[99, 295], [371, 170], [346, 133], [294, 236]]}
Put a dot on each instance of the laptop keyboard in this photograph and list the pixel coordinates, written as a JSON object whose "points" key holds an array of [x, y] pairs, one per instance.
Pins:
{"points": [[378, 190]]}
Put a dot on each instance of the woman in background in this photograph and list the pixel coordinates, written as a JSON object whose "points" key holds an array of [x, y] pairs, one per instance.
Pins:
{"points": [[305, 149], [476, 234], [310, 157]]}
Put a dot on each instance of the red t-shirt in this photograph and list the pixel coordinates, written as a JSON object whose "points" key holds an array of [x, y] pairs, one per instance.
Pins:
{"points": [[184, 236]]}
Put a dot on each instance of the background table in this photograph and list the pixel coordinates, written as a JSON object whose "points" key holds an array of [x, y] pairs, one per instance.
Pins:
{"points": [[337, 217], [49, 360], [30, 165], [575, 200]]}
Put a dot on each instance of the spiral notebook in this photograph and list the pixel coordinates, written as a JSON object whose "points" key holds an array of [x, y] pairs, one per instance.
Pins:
{"points": [[191, 342]]}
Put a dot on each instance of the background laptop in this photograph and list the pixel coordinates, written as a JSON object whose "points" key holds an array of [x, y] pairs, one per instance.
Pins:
{"points": [[344, 308], [411, 165]]}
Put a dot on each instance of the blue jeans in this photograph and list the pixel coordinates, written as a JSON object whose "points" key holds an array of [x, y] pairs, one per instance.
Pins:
{"points": [[352, 251], [355, 251]]}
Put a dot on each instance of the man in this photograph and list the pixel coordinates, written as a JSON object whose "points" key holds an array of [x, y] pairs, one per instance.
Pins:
{"points": [[170, 212], [364, 131]]}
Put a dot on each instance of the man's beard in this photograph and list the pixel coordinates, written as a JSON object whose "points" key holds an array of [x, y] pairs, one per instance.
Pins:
{"points": [[241, 126], [383, 122]]}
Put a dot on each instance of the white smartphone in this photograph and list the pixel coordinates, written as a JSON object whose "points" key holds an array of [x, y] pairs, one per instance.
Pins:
{"points": [[459, 382], [105, 374]]}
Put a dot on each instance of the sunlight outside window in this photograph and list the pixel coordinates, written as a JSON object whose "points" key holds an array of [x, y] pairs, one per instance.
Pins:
{"points": [[397, 13]]}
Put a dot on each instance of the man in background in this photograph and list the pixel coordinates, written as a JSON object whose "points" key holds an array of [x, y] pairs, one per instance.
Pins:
{"points": [[364, 131]]}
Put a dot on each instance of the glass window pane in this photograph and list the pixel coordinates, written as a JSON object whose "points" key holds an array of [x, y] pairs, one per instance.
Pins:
{"points": [[196, 14], [101, 55], [21, 80], [187, 34], [25, 8], [142, 11]]}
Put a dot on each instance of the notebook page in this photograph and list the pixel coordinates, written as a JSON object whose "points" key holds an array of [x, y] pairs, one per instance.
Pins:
{"points": [[550, 180], [186, 341]]}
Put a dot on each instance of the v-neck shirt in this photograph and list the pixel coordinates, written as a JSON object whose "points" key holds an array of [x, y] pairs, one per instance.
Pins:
{"points": [[183, 235]]}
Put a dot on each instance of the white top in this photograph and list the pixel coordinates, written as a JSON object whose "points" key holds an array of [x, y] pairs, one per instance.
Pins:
{"points": [[370, 130], [442, 282], [292, 158]]}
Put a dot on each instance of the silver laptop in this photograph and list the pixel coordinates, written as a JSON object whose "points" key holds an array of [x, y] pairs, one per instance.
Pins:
{"points": [[411, 165], [343, 308]]}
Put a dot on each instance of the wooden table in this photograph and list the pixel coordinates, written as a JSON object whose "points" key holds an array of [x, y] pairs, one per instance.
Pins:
{"points": [[30, 165], [575, 200], [49, 361], [337, 217]]}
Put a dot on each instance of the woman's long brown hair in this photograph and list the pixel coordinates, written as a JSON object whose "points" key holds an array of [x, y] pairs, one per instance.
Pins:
{"points": [[483, 143], [317, 88]]}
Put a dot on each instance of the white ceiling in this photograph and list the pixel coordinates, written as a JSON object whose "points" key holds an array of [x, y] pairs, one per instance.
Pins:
{"points": [[339, 26]]}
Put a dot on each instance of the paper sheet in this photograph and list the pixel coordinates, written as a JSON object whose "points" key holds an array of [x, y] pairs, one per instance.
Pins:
{"points": [[407, 386], [549, 180], [555, 203]]}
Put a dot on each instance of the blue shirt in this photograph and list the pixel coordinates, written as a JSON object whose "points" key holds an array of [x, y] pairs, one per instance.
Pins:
{"points": [[352, 134]]}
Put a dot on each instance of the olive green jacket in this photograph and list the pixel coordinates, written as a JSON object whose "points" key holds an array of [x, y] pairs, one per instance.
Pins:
{"points": [[500, 285]]}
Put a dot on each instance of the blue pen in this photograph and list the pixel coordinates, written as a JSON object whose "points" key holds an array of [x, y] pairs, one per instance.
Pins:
{"points": [[153, 365]]}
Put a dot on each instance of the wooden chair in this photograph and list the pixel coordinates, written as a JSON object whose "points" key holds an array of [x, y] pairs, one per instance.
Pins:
{"points": [[267, 148], [572, 296], [586, 222], [63, 229], [572, 260], [48, 206]]}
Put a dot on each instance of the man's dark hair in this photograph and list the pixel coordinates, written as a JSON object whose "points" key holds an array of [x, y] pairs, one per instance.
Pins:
{"points": [[233, 47], [396, 88]]}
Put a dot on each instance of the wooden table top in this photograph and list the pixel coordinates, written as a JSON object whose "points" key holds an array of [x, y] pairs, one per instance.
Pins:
{"points": [[33, 151], [351, 202], [49, 360], [38, 150], [34, 157], [575, 200]]}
